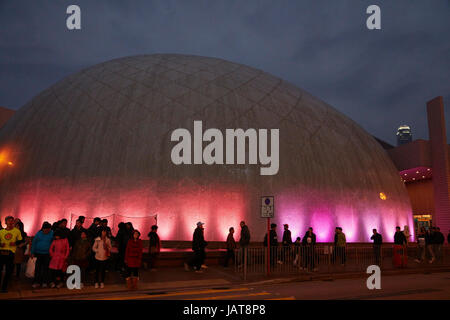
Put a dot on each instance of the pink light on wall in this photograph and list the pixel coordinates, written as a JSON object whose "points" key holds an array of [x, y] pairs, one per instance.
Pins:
{"points": [[371, 220], [348, 221], [322, 221], [291, 212]]}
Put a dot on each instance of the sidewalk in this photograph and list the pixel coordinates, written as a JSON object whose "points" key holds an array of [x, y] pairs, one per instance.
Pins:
{"points": [[164, 278], [176, 278]]}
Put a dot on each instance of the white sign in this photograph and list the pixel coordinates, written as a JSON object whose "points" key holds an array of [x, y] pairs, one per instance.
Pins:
{"points": [[267, 207]]}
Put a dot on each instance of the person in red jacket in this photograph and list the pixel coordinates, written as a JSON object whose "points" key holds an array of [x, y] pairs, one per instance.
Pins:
{"points": [[133, 259]]}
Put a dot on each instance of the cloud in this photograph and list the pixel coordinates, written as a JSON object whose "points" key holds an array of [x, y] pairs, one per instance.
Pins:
{"points": [[380, 79]]}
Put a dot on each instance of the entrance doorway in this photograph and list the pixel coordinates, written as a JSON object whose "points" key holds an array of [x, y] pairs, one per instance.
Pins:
{"points": [[422, 220]]}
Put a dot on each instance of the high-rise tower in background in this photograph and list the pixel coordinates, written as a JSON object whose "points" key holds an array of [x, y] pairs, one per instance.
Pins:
{"points": [[404, 135]]}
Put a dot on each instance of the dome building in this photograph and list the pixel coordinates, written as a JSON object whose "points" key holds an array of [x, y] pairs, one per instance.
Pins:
{"points": [[99, 143]]}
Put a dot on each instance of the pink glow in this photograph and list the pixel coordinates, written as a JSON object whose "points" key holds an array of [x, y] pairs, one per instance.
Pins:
{"points": [[348, 221], [372, 221], [180, 206], [292, 213], [321, 221]]}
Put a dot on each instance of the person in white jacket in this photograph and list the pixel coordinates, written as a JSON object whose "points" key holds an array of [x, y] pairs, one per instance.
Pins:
{"points": [[102, 249]]}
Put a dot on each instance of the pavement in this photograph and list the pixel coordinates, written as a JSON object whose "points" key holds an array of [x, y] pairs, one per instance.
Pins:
{"points": [[175, 279]]}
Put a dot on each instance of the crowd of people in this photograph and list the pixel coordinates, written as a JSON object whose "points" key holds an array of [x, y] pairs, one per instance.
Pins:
{"points": [[55, 246], [430, 240]]}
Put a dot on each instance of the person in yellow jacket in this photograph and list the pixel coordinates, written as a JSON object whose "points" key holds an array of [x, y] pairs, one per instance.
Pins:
{"points": [[8, 245]]}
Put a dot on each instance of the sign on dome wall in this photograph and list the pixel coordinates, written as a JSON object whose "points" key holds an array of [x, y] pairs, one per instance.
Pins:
{"points": [[267, 207]]}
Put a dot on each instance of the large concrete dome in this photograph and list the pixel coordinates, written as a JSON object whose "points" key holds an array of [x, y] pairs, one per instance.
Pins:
{"points": [[98, 143]]}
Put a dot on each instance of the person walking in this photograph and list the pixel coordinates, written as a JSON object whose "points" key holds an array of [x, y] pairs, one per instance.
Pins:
{"points": [[429, 241], [198, 246], [287, 244], [421, 245], [154, 247], [273, 244], [438, 243], [297, 249], [133, 260], [59, 252], [8, 246], [231, 246], [81, 252], [102, 249], [309, 243], [399, 256], [377, 242], [244, 242], [40, 248]]}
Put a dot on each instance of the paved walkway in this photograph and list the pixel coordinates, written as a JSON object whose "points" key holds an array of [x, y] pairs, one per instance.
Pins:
{"points": [[177, 278]]}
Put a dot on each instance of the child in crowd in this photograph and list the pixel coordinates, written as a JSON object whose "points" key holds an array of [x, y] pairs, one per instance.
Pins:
{"points": [[59, 251]]}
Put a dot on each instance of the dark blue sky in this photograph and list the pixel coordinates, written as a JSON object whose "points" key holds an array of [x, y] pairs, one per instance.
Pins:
{"points": [[381, 78]]}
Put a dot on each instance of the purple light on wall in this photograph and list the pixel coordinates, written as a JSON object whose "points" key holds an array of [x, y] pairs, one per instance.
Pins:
{"points": [[322, 223]]}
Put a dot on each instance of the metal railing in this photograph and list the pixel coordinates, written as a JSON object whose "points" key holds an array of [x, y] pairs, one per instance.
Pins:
{"points": [[329, 259]]}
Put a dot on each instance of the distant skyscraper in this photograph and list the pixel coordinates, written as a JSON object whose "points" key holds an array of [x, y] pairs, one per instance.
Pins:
{"points": [[404, 135]]}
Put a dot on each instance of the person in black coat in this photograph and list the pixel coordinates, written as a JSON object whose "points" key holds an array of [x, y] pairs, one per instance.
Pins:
{"points": [[287, 243], [309, 243], [93, 230], [62, 228], [429, 242], [377, 242], [154, 247], [273, 244], [121, 241], [287, 238], [399, 237], [244, 241], [75, 233], [438, 243], [198, 246]]}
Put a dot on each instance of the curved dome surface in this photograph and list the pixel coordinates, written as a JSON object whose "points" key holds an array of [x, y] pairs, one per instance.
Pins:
{"points": [[98, 143]]}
